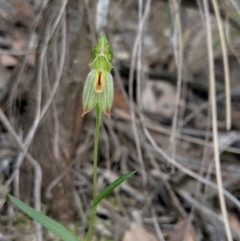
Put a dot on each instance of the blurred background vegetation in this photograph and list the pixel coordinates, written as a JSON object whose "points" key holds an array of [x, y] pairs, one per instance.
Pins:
{"points": [[161, 123]]}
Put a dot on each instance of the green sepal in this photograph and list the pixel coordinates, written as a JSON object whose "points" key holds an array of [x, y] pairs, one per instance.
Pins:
{"points": [[91, 98], [102, 55]]}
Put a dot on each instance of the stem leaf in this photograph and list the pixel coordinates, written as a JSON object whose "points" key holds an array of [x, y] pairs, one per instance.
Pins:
{"points": [[110, 188], [44, 220]]}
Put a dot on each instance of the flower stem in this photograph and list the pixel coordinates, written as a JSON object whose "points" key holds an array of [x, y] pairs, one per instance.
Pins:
{"points": [[95, 160]]}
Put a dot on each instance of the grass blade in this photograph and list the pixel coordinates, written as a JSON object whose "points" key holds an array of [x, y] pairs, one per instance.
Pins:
{"points": [[45, 221], [111, 187]]}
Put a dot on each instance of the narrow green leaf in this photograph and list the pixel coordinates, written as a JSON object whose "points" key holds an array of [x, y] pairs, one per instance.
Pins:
{"points": [[44, 220], [110, 187]]}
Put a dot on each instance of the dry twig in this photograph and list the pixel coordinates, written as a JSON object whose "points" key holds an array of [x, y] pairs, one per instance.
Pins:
{"points": [[214, 121], [225, 64], [178, 52]]}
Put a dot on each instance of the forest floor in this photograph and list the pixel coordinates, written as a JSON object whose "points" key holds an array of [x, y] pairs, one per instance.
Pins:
{"points": [[162, 123]]}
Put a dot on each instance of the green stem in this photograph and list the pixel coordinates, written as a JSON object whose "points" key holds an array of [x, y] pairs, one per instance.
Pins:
{"points": [[95, 159]]}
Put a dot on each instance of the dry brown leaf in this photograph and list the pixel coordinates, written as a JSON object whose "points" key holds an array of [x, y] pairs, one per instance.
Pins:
{"points": [[159, 97], [119, 101], [21, 11], [139, 233], [18, 41], [179, 230], [236, 118], [8, 61], [234, 221]]}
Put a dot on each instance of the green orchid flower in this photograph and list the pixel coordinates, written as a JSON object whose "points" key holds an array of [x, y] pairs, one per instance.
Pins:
{"points": [[98, 88]]}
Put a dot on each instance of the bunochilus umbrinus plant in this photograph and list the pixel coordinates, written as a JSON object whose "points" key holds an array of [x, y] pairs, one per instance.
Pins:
{"points": [[98, 94]]}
